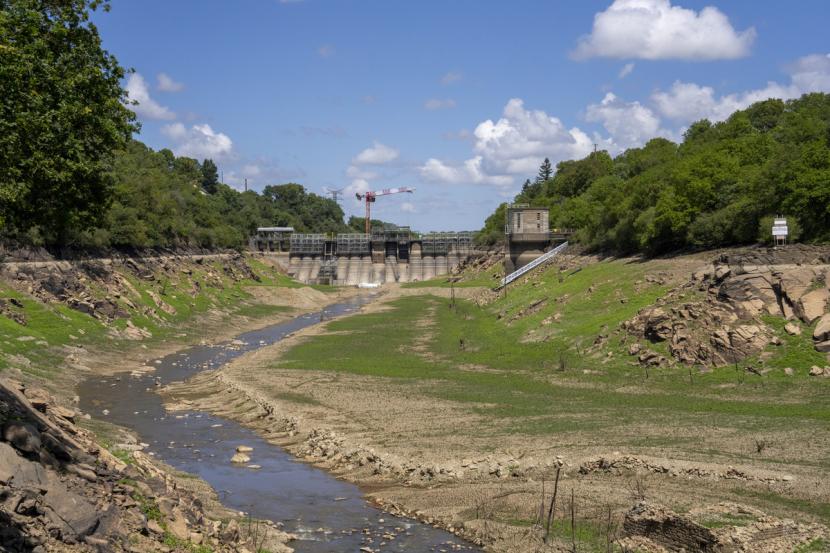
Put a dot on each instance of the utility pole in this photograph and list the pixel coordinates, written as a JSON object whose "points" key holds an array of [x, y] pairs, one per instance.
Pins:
{"points": [[334, 193], [246, 184]]}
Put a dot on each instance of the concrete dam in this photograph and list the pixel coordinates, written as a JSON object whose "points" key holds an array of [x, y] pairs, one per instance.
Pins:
{"points": [[387, 255]]}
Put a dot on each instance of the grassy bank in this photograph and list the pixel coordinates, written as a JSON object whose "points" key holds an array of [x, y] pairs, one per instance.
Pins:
{"points": [[556, 372], [168, 306], [515, 367]]}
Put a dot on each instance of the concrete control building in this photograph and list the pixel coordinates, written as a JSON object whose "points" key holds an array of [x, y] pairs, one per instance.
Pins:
{"points": [[528, 235]]}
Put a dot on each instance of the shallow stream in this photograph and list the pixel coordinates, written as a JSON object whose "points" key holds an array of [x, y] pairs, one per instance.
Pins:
{"points": [[325, 513]]}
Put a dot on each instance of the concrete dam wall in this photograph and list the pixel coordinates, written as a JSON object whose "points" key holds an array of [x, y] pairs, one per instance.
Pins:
{"points": [[351, 270], [388, 254]]}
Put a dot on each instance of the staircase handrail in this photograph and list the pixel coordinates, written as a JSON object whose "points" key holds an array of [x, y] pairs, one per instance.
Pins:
{"points": [[532, 265]]}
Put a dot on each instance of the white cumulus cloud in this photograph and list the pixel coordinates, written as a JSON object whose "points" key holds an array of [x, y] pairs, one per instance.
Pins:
{"points": [[630, 124], [436, 103], [365, 165], [166, 83], [377, 154], [468, 172], [514, 145], [137, 90], [408, 207], [654, 29], [198, 141], [811, 73], [687, 102], [518, 142]]}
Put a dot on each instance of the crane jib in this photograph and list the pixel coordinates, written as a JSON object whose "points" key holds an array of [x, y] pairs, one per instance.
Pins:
{"points": [[369, 198]]}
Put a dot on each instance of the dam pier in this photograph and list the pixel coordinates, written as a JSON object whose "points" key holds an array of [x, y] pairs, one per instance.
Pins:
{"points": [[389, 254]]}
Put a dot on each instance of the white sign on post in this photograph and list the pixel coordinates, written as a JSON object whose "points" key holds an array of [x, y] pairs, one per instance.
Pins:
{"points": [[780, 231]]}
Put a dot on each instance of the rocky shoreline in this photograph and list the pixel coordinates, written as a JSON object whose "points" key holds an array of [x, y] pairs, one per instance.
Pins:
{"points": [[61, 491]]}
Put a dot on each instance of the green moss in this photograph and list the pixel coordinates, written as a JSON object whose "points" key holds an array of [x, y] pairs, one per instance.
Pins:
{"points": [[724, 520], [184, 545], [122, 455], [818, 545], [149, 507]]}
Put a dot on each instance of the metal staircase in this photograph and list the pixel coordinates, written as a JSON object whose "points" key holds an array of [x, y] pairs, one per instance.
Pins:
{"points": [[532, 265]]}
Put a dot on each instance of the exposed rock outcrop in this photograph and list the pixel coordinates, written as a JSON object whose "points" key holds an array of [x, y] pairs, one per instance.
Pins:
{"points": [[59, 491], [715, 318], [102, 288], [650, 527]]}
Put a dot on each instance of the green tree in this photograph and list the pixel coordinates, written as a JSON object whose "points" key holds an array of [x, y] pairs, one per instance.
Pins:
{"points": [[62, 116], [210, 176], [716, 188], [545, 171]]}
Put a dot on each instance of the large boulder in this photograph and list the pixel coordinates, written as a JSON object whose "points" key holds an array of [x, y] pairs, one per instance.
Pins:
{"points": [[240, 458], [39, 398], [810, 307], [792, 329], [822, 330], [658, 324], [19, 471], [823, 347], [740, 342], [23, 436], [72, 515], [177, 524]]}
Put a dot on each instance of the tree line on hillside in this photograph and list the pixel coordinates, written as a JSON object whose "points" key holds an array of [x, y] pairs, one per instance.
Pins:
{"points": [[71, 173], [720, 186], [163, 200]]}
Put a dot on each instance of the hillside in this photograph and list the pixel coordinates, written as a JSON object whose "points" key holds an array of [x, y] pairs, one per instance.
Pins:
{"points": [[720, 186], [158, 200]]}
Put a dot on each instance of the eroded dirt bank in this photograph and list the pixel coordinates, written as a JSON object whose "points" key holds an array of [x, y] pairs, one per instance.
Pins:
{"points": [[451, 465]]}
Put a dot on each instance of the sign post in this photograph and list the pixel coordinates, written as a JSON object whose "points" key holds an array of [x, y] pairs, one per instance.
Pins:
{"points": [[780, 231]]}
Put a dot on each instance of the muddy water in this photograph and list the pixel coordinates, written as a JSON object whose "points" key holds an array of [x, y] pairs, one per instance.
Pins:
{"points": [[325, 513]]}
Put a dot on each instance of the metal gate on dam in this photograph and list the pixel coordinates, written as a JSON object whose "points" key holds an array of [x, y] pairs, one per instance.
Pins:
{"points": [[388, 254]]}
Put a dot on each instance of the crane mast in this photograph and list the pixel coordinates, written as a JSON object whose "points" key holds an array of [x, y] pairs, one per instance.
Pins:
{"points": [[370, 197]]}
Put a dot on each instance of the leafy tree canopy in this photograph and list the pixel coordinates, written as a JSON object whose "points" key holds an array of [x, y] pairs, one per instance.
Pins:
{"points": [[159, 200], [62, 116], [720, 186]]}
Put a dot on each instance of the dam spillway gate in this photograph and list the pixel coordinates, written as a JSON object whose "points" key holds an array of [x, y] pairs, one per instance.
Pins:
{"points": [[391, 254]]}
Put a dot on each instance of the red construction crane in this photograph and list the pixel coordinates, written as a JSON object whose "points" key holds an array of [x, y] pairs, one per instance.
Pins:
{"points": [[369, 197]]}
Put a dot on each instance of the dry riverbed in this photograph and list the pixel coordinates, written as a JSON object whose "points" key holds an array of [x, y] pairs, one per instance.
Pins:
{"points": [[451, 464]]}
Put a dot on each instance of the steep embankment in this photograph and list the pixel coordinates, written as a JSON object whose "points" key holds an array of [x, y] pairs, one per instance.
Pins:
{"points": [[459, 410], [71, 483]]}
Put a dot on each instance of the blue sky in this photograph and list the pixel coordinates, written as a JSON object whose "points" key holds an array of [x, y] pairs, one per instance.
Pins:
{"points": [[460, 99]]}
